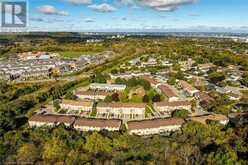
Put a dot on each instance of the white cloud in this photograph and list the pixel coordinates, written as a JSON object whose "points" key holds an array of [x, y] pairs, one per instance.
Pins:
{"points": [[104, 7], [160, 5], [51, 10], [79, 2]]}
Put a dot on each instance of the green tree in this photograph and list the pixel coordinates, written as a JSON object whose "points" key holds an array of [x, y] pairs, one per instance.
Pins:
{"points": [[96, 143], [55, 150], [181, 113], [27, 153]]}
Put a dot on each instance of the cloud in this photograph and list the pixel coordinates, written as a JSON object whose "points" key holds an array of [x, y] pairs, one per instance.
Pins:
{"points": [[159, 5], [104, 7], [79, 2], [51, 10], [89, 20]]}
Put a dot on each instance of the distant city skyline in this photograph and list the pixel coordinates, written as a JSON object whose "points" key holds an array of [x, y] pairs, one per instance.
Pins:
{"points": [[139, 15]]}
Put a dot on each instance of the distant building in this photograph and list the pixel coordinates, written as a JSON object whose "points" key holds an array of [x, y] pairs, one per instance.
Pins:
{"points": [[76, 105], [92, 95], [154, 83], [86, 124], [169, 107], [156, 126], [121, 108], [203, 97], [107, 87], [222, 119]]}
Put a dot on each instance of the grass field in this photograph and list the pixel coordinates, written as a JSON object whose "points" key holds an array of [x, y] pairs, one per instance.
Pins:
{"points": [[74, 53]]}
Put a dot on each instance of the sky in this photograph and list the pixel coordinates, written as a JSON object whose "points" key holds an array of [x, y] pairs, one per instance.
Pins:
{"points": [[139, 15]]}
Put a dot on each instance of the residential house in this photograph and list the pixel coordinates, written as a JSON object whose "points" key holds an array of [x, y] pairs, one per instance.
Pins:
{"points": [[155, 126], [206, 67], [154, 83], [203, 97]]}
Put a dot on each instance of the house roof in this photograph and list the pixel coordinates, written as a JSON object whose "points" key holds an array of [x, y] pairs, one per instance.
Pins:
{"points": [[186, 85], [122, 105], [52, 118], [167, 91], [150, 80], [155, 123], [77, 103], [203, 96], [102, 123], [173, 103]]}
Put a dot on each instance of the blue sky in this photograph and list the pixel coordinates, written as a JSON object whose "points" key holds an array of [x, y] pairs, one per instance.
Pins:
{"points": [[138, 15]]}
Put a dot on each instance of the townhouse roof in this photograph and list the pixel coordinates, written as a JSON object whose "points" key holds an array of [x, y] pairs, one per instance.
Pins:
{"points": [[206, 65], [121, 105], [155, 123], [102, 123], [77, 103], [167, 91], [105, 85], [173, 103], [65, 119], [43, 118]]}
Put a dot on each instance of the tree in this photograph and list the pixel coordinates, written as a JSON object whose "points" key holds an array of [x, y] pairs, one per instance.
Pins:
{"points": [[181, 113], [70, 96], [145, 99], [28, 153], [171, 81], [56, 104], [156, 98], [55, 150], [216, 77], [115, 97], [96, 143]]}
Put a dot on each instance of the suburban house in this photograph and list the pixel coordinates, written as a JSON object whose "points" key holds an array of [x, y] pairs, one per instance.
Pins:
{"points": [[92, 95], [107, 87], [168, 92], [222, 119], [121, 108], [39, 120], [76, 105], [155, 126], [186, 65], [186, 87], [168, 107], [87, 124]]}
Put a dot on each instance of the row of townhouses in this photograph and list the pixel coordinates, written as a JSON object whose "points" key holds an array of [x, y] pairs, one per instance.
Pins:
{"points": [[142, 127]]}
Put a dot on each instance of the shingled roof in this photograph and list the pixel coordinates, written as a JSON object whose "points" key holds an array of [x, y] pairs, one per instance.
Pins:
{"points": [[102, 123], [155, 123]]}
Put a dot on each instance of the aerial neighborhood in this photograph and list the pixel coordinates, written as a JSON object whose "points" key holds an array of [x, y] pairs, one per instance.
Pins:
{"points": [[143, 100]]}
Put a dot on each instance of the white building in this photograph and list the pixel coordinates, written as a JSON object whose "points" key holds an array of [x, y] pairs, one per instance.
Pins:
{"points": [[156, 126], [107, 87], [86, 124], [121, 108]]}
